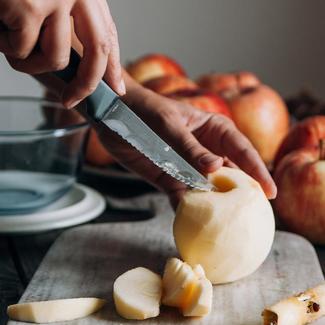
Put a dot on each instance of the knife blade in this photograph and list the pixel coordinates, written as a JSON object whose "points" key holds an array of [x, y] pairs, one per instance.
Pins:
{"points": [[105, 107]]}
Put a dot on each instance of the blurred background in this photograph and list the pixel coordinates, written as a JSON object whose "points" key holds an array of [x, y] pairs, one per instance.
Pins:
{"points": [[282, 41]]}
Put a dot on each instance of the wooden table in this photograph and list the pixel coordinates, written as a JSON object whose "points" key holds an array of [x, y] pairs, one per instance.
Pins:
{"points": [[21, 255]]}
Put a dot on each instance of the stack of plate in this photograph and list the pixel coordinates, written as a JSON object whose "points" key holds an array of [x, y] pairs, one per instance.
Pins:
{"points": [[79, 205]]}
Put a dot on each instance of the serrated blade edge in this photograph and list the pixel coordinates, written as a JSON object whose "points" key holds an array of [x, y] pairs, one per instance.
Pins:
{"points": [[122, 120]]}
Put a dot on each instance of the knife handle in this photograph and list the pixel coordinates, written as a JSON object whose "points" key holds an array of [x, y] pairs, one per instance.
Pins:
{"points": [[100, 100]]}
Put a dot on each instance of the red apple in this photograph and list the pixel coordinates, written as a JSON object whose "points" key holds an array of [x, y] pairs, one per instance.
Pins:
{"points": [[258, 111], [169, 84], [306, 133], [300, 204], [96, 153], [152, 66], [228, 84], [202, 99]]}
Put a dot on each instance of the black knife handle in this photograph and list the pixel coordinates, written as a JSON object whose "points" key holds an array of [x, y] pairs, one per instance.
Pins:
{"points": [[100, 100]]}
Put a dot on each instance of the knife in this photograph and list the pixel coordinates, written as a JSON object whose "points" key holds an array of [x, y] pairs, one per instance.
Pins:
{"points": [[106, 108]]}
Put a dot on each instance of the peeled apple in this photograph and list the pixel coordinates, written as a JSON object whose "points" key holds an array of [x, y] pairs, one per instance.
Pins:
{"points": [[137, 294], [230, 231], [54, 310]]}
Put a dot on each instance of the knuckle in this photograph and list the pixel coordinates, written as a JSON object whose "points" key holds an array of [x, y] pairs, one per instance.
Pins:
{"points": [[167, 117], [32, 8], [225, 134], [102, 47], [244, 153], [22, 43], [65, 5], [113, 30], [224, 120], [190, 148], [227, 120], [56, 64], [20, 54], [88, 88]]}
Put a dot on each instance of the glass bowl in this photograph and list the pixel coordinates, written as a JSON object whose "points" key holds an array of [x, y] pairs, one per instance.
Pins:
{"points": [[40, 150]]}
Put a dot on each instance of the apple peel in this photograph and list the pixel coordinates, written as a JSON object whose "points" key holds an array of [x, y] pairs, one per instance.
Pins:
{"points": [[300, 309]]}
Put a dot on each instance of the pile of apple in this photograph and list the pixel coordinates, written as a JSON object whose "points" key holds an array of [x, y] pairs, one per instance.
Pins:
{"points": [[260, 113], [296, 157], [257, 110], [300, 176]]}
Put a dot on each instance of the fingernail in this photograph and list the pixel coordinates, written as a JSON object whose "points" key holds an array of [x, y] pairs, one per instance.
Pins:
{"points": [[207, 160], [121, 88], [72, 104]]}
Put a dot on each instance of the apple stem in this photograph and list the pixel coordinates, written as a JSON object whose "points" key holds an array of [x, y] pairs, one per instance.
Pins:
{"points": [[247, 90], [322, 149]]}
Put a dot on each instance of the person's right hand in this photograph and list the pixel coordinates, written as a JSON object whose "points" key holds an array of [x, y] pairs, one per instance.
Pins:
{"points": [[205, 140], [35, 36]]}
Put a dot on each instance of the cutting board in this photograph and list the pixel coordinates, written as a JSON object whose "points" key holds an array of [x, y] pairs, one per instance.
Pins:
{"points": [[84, 262]]}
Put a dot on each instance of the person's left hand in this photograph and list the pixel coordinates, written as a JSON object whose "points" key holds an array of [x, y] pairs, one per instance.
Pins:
{"points": [[205, 140]]}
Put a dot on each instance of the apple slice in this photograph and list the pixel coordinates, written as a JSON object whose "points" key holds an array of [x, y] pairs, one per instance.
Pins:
{"points": [[179, 281], [54, 310], [172, 267], [201, 300], [199, 271], [137, 294]]}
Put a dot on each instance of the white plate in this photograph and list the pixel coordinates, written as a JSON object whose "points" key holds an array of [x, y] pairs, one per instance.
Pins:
{"points": [[79, 205]]}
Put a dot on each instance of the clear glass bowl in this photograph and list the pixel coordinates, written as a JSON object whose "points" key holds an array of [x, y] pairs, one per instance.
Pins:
{"points": [[40, 150]]}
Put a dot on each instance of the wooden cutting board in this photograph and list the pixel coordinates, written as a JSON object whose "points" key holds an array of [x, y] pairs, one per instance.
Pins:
{"points": [[84, 262]]}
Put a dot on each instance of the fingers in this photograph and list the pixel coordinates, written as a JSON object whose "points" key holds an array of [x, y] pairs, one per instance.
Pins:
{"points": [[233, 144], [175, 134], [228, 163], [19, 39], [56, 40], [169, 126], [113, 63], [139, 164], [115, 79], [98, 42], [54, 47], [35, 36]]}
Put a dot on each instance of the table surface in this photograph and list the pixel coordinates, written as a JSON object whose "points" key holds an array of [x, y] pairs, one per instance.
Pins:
{"points": [[21, 255]]}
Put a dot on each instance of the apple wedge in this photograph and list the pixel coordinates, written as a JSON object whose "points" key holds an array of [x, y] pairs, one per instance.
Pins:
{"points": [[201, 300], [137, 294], [54, 310], [186, 288], [179, 281]]}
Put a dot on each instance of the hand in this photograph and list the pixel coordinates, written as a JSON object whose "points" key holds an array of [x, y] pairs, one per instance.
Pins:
{"points": [[206, 141], [35, 36]]}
